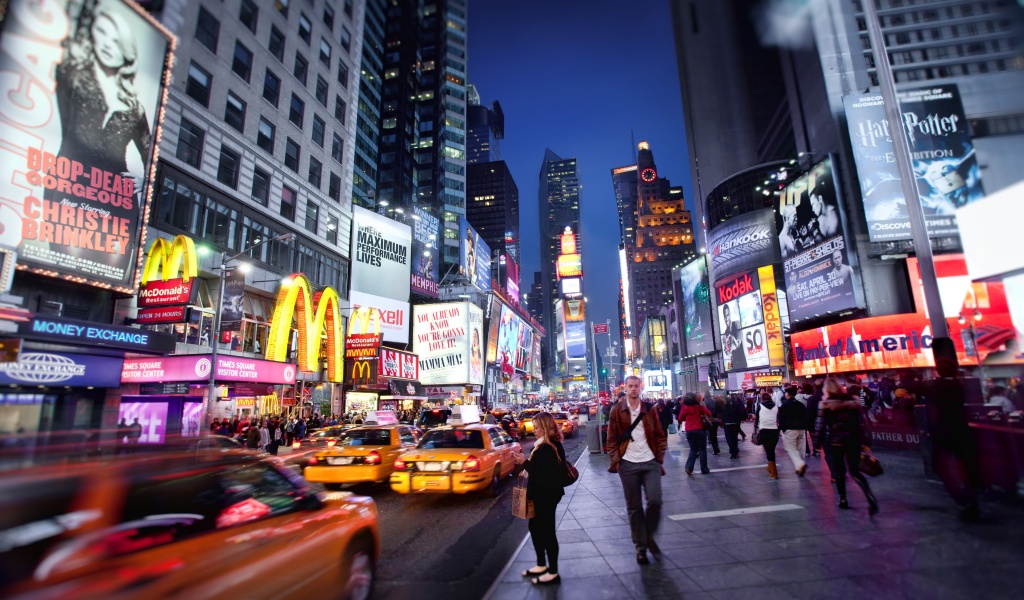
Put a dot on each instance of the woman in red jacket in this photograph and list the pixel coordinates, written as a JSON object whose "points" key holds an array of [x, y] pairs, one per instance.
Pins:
{"points": [[691, 419]]}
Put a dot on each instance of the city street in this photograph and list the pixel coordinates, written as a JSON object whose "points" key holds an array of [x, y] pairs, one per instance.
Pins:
{"points": [[444, 546]]}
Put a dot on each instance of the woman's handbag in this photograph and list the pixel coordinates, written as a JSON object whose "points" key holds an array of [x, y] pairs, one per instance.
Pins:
{"points": [[521, 507], [571, 474], [869, 465], [755, 438]]}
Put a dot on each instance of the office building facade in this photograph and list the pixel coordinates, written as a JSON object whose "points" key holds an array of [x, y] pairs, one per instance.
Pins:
{"points": [[371, 76], [493, 206], [486, 129]]}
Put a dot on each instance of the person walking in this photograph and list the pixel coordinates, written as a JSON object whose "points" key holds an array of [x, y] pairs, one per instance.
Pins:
{"points": [[252, 438], [264, 436], [840, 434], [636, 446], [812, 416], [546, 467], [954, 457], [793, 424], [715, 420], [766, 423], [733, 413], [691, 420], [665, 415]]}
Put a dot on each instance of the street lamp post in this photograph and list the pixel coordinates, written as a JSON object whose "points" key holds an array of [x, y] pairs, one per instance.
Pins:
{"points": [[661, 373], [215, 334]]}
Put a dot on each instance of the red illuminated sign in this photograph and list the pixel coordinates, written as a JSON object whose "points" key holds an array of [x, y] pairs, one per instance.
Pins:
{"points": [[741, 284], [167, 314]]}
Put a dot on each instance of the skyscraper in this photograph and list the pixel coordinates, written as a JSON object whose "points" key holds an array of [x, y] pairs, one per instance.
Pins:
{"points": [[371, 74], [486, 130], [656, 232], [493, 206], [558, 207], [423, 115]]}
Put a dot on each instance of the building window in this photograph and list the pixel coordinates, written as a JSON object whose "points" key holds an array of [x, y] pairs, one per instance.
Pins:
{"points": [[207, 30], [265, 136], [260, 186], [198, 84], [325, 53], [336, 148], [328, 16], [339, 109], [301, 68], [346, 38], [296, 111], [348, 7], [319, 127], [305, 28], [190, 144], [390, 123], [334, 187], [343, 73], [281, 6], [315, 172], [271, 87], [321, 90], [227, 170], [234, 112], [291, 155], [276, 45], [332, 228], [242, 63], [312, 217], [288, 203], [248, 14]]}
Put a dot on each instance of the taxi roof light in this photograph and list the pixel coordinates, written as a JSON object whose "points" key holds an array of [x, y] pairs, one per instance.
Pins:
{"points": [[471, 463], [373, 458], [381, 417], [464, 414]]}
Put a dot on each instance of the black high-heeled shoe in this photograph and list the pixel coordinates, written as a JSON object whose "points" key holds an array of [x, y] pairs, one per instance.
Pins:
{"points": [[530, 572], [539, 581]]}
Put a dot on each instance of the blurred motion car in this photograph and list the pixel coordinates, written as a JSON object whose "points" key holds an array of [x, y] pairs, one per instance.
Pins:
{"points": [[364, 454], [526, 421], [196, 525], [461, 458], [567, 423]]}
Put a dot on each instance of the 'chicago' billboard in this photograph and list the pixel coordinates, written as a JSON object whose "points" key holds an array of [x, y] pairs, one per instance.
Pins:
{"points": [[80, 109], [380, 255], [945, 166], [743, 243], [815, 259]]}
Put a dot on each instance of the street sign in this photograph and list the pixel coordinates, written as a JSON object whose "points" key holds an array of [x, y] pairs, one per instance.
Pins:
{"points": [[600, 328]]}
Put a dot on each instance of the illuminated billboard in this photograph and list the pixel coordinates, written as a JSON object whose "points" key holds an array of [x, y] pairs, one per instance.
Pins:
{"points": [[569, 265], [576, 341], [695, 290], [571, 286], [945, 166], [425, 278], [380, 256], [510, 276], [449, 340], [819, 278], [750, 320], [84, 85], [515, 343], [475, 257], [574, 310]]}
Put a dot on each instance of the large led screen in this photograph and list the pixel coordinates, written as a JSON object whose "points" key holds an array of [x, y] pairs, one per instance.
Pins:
{"points": [[475, 257], [449, 341], [695, 288], [819, 278], [425, 260], [515, 343], [749, 320]]}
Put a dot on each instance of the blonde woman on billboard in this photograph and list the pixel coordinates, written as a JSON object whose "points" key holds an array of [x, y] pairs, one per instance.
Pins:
{"points": [[100, 111]]}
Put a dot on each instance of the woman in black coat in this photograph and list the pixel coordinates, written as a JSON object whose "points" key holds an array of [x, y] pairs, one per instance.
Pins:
{"points": [[546, 467], [841, 435]]}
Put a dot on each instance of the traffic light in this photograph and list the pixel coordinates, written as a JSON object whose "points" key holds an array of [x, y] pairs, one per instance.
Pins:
{"points": [[604, 371]]}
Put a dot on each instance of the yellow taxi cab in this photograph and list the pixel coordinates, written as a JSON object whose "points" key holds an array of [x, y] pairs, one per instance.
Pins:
{"points": [[465, 456], [526, 421], [567, 423], [364, 454], [197, 525]]}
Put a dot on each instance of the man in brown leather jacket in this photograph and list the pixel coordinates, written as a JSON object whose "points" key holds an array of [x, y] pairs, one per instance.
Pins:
{"points": [[636, 454]]}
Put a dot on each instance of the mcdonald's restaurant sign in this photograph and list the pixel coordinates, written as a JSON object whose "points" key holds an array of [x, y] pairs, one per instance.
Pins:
{"points": [[316, 317], [170, 273], [361, 373], [364, 336]]}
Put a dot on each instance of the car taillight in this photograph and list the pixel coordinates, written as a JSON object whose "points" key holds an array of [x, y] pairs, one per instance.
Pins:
{"points": [[471, 464], [296, 445], [312, 461], [373, 458], [331, 443], [399, 464]]}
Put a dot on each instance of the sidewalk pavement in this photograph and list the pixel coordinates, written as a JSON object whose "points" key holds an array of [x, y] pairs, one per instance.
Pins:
{"points": [[801, 546]]}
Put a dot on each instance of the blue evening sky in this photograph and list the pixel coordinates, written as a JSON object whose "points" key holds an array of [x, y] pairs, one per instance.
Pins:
{"points": [[578, 77]]}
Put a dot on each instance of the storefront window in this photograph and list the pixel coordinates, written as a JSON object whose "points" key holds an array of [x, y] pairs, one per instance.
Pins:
{"points": [[255, 325]]}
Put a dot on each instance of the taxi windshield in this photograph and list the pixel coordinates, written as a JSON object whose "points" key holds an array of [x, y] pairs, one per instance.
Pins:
{"points": [[560, 416], [332, 432], [452, 438], [365, 437], [528, 414], [437, 416]]}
